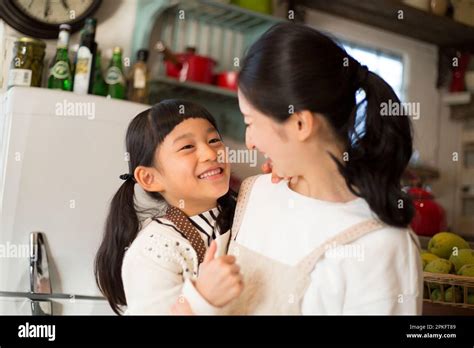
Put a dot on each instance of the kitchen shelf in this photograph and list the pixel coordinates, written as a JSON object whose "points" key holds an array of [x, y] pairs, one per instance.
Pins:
{"points": [[165, 87], [457, 98], [423, 172], [416, 24], [227, 16], [220, 102], [214, 14], [215, 29], [461, 105]]}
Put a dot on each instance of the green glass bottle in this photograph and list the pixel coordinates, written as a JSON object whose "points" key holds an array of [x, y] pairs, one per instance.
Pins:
{"points": [[114, 77], [99, 87], [60, 76]]}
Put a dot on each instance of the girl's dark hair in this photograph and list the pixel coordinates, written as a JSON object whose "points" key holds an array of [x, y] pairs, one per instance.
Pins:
{"points": [[144, 134], [294, 65]]}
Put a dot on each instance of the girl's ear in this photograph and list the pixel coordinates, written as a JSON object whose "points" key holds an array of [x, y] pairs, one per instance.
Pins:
{"points": [[149, 179], [304, 122]]}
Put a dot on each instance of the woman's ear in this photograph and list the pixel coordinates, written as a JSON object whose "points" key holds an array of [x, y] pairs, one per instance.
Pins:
{"points": [[305, 122], [149, 179]]}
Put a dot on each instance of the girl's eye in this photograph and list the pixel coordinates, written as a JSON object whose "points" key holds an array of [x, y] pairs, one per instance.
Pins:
{"points": [[215, 140], [187, 147]]}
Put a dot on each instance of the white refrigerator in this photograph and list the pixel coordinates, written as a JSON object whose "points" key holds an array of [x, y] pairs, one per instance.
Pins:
{"points": [[61, 155]]}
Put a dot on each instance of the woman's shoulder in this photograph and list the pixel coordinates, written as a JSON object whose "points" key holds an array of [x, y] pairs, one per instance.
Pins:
{"points": [[388, 256], [379, 273], [391, 239], [256, 185]]}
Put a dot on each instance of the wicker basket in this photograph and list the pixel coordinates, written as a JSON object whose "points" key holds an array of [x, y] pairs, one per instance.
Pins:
{"points": [[444, 281]]}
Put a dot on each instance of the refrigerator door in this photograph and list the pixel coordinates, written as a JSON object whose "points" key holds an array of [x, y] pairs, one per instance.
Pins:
{"points": [[61, 155]]}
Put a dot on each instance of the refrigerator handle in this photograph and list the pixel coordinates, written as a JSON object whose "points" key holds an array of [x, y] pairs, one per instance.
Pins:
{"points": [[40, 282]]}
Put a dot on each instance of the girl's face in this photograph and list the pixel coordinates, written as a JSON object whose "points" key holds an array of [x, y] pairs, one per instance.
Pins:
{"points": [[273, 139], [190, 172]]}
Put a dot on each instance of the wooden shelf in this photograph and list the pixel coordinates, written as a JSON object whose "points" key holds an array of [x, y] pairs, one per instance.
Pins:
{"points": [[422, 172], [461, 105], [164, 87], [458, 98], [416, 24]]}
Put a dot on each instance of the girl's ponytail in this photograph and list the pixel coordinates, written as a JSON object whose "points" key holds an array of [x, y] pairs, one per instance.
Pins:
{"points": [[121, 228]]}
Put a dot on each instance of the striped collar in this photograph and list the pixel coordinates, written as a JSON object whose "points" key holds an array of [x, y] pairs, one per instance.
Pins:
{"points": [[205, 223]]}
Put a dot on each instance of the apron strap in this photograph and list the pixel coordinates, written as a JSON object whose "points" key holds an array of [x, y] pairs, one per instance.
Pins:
{"points": [[180, 219], [348, 235], [244, 194]]}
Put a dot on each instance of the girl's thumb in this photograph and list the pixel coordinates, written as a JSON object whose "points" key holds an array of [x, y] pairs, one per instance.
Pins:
{"points": [[210, 253]]}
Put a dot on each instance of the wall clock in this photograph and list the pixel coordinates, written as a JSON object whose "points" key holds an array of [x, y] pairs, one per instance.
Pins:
{"points": [[41, 18]]}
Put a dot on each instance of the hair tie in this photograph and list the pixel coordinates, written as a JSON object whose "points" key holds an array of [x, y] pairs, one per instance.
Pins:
{"points": [[127, 176], [362, 73]]}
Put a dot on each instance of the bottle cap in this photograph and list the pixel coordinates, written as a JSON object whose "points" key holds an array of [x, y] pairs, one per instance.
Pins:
{"points": [[91, 21], [142, 55], [65, 27], [117, 49], [32, 41]]}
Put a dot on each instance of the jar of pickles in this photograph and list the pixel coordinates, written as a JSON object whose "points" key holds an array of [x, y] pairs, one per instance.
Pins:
{"points": [[26, 68]]}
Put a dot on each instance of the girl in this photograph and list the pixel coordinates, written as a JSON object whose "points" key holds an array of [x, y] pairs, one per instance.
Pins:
{"points": [[150, 257], [335, 239]]}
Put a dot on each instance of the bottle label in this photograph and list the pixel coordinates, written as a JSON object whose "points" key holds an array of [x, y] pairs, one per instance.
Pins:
{"points": [[60, 70], [19, 77], [114, 75], [139, 79], [83, 70]]}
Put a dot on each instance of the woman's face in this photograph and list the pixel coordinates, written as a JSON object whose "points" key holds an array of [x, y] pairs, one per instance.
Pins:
{"points": [[188, 164], [273, 139]]}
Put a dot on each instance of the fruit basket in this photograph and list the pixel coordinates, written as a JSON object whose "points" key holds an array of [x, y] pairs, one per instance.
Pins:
{"points": [[449, 289]]}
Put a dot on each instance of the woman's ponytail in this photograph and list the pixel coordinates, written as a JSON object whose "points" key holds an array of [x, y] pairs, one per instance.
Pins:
{"points": [[121, 228], [377, 158]]}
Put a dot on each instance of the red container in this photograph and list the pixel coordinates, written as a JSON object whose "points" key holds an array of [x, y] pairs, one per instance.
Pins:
{"points": [[191, 67], [227, 80], [429, 217], [459, 72]]}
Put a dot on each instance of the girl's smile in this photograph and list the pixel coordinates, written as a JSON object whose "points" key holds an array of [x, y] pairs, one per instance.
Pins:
{"points": [[214, 173]]}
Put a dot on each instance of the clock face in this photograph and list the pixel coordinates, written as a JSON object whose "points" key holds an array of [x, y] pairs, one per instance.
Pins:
{"points": [[54, 11]]}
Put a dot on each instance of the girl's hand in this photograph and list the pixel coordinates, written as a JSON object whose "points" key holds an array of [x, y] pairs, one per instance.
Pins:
{"points": [[267, 168], [219, 280]]}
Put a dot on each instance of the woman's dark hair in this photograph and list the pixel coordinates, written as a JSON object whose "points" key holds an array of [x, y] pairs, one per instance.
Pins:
{"points": [[144, 134], [292, 64]]}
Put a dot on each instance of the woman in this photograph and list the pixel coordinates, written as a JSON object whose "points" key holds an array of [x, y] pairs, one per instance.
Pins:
{"points": [[336, 238], [297, 92]]}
